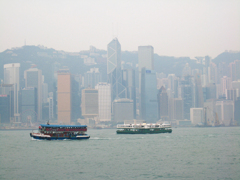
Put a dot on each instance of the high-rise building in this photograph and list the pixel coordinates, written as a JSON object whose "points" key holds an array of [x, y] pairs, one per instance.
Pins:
{"points": [[145, 60], [51, 106], [198, 92], [225, 84], [162, 104], [5, 108], [175, 109], [145, 57], [89, 103], [211, 91], [104, 101], [225, 111], [33, 78], [11, 76], [64, 97], [129, 83], [122, 109], [187, 95], [213, 73], [92, 77], [196, 116], [29, 104], [234, 70], [149, 104], [236, 111], [114, 71]]}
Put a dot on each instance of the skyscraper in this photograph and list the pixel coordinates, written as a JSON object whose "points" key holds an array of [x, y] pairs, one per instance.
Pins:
{"points": [[104, 101], [89, 103], [129, 83], [162, 104], [92, 77], [187, 95], [114, 71], [29, 102], [11, 76], [33, 78], [64, 96], [198, 92], [149, 104], [145, 59]]}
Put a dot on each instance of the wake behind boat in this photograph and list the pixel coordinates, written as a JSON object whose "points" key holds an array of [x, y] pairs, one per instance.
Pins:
{"points": [[60, 132]]}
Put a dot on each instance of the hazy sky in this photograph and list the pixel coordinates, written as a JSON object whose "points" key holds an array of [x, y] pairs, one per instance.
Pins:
{"points": [[172, 27]]}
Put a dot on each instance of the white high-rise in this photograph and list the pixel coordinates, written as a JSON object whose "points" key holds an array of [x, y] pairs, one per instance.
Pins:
{"points": [[145, 57], [11, 76], [196, 116], [104, 101]]}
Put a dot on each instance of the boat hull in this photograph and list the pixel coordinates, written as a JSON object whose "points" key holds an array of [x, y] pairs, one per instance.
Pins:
{"points": [[144, 131], [48, 137]]}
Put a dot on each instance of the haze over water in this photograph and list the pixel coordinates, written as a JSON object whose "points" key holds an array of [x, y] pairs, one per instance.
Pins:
{"points": [[187, 153]]}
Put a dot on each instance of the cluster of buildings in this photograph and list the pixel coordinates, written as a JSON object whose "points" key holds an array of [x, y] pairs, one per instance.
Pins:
{"points": [[204, 95]]}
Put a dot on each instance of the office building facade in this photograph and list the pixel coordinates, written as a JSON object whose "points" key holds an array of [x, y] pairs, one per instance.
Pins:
{"points": [[104, 101], [11, 76], [33, 78]]}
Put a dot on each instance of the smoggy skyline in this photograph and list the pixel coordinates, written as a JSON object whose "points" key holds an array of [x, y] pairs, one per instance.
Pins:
{"points": [[173, 28]]}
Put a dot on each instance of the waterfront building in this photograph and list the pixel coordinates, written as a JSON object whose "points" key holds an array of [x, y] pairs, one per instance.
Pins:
{"points": [[89, 103], [210, 108], [145, 60], [198, 92], [225, 111], [51, 106], [149, 104], [64, 96], [5, 109], [29, 104], [197, 116], [162, 104], [33, 78], [11, 76], [114, 71], [187, 95], [237, 111], [92, 77], [175, 109], [104, 101], [122, 110], [129, 83]]}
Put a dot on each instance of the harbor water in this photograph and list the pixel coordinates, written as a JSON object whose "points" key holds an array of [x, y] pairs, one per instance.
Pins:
{"points": [[186, 153]]}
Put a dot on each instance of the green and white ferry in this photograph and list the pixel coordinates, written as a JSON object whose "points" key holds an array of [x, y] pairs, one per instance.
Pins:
{"points": [[143, 128]]}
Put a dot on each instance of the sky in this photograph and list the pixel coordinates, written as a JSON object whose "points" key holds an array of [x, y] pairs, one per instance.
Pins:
{"points": [[173, 27]]}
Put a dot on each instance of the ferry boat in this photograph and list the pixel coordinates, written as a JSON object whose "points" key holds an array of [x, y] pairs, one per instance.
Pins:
{"points": [[60, 132], [143, 128]]}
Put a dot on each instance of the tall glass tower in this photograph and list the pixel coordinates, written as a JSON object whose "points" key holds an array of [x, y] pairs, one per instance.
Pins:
{"points": [[11, 76], [149, 104], [114, 71]]}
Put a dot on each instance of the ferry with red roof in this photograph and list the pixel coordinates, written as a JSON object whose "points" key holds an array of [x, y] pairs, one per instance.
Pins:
{"points": [[61, 132]]}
